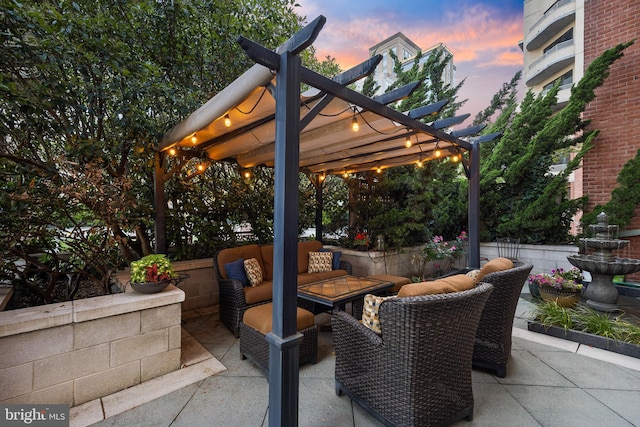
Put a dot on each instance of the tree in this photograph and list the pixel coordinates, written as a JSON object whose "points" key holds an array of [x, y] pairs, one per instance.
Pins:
{"points": [[409, 204], [88, 89], [518, 194]]}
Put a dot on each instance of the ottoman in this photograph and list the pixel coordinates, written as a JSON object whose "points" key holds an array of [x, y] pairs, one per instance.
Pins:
{"points": [[257, 322], [397, 281]]}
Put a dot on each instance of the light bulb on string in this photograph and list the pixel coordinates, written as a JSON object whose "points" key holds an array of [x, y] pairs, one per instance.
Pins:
{"points": [[407, 142], [227, 120]]}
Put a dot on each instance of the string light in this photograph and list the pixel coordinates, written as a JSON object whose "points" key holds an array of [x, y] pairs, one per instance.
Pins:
{"points": [[322, 177], [420, 163], [379, 170], [172, 151], [407, 141], [227, 120], [247, 174], [345, 175], [201, 167], [455, 158], [194, 139], [437, 152], [354, 124]]}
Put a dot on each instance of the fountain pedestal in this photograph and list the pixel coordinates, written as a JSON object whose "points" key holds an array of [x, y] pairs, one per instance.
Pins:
{"points": [[601, 294]]}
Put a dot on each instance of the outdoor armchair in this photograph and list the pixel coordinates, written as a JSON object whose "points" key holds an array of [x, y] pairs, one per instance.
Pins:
{"points": [[418, 370], [493, 340]]}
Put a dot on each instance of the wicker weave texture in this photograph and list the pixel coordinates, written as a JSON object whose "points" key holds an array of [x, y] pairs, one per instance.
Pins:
{"points": [[418, 371], [493, 340], [254, 346]]}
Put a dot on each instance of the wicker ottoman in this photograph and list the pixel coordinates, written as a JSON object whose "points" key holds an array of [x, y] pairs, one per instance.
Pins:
{"points": [[257, 322]]}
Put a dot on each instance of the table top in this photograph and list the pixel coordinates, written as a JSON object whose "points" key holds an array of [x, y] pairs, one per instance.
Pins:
{"points": [[341, 289]]}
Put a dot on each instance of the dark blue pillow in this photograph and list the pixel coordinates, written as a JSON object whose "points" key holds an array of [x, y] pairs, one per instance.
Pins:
{"points": [[335, 264], [235, 270]]}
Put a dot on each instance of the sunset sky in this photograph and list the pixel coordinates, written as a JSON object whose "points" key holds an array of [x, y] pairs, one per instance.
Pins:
{"points": [[482, 34]]}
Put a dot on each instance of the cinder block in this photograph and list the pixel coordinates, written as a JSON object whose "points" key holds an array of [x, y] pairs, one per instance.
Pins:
{"points": [[138, 347], [160, 318], [69, 366], [105, 330], [30, 346], [16, 380], [159, 364], [175, 337], [106, 382], [59, 394]]}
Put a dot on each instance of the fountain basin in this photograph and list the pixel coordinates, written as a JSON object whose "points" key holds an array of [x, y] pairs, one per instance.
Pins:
{"points": [[615, 267]]}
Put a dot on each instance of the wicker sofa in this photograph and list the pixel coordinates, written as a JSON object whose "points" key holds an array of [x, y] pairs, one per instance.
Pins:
{"points": [[417, 371], [235, 298]]}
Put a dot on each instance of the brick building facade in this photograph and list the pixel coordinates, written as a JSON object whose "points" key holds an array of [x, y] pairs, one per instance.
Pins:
{"points": [[616, 109]]}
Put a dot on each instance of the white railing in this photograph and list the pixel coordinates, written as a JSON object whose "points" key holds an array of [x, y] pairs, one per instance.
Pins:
{"points": [[549, 12], [551, 51]]}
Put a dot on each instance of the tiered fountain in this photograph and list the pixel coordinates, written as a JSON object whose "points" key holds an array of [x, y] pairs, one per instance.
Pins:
{"points": [[601, 294]]}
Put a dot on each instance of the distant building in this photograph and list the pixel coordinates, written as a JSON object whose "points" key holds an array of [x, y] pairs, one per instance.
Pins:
{"points": [[561, 39], [406, 51]]}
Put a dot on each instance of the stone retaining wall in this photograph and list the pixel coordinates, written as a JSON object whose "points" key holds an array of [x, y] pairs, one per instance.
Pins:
{"points": [[74, 352]]}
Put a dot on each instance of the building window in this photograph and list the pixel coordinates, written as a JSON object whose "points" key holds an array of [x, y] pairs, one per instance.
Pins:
{"points": [[563, 38], [405, 54], [565, 79]]}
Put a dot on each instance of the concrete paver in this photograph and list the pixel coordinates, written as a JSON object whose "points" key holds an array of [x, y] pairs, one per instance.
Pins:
{"points": [[550, 382]]}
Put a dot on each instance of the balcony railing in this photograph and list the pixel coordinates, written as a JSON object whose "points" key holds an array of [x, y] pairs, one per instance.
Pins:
{"points": [[555, 19], [550, 12], [553, 61]]}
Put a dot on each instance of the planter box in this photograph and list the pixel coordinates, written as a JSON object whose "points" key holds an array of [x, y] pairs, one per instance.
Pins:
{"points": [[587, 339], [200, 289], [77, 351], [393, 263]]}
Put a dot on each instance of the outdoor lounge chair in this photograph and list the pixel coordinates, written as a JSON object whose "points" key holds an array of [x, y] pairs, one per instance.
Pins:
{"points": [[418, 370], [493, 339]]}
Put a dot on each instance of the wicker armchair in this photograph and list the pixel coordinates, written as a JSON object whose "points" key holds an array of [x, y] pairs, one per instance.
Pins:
{"points": [[418, 370], [493, 339]]}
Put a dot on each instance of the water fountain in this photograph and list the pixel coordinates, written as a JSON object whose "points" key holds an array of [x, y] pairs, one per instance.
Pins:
{"points": [[601, 294]]}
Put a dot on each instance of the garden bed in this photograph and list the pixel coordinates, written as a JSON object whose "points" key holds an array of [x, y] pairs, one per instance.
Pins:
{"points": [[591, 340]]}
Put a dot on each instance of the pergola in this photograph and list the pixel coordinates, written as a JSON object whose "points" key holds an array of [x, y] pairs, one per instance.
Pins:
{"points": [[262, 118]]}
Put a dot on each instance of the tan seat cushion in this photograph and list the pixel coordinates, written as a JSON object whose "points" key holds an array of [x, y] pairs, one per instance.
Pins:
{"points": [[496, 264], [455, 283], [397, 281], [260, 318], [255, 294]]}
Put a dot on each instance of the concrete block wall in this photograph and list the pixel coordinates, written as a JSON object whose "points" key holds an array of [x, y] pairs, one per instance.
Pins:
{"points": [[543, 257], [201, 288], [74, 352]]}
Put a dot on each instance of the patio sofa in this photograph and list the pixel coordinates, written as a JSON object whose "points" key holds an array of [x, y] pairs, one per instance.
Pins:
{"points": [[236, 297]]}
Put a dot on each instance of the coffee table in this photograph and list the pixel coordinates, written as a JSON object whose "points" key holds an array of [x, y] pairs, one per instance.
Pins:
{"points": [[336, 292]]}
